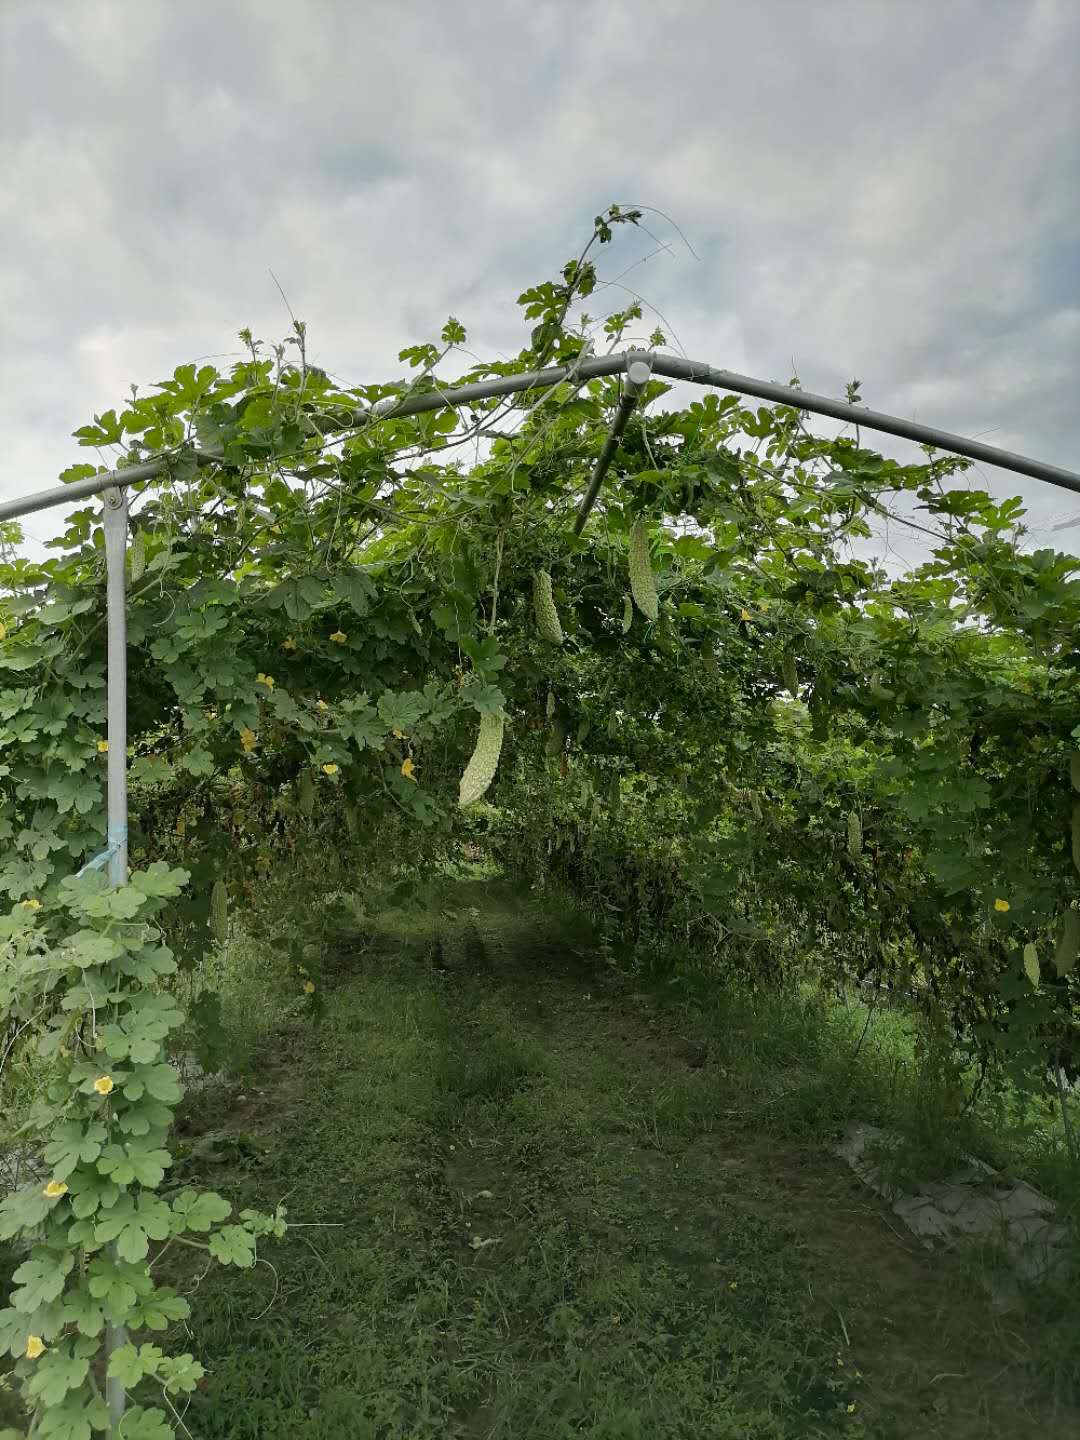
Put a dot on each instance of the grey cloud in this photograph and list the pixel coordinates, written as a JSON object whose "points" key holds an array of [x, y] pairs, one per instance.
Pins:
{"points": [[868, 195]]}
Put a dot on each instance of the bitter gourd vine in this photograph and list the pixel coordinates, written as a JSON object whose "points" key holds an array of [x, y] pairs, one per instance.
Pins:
{"points": [[312, 628]]}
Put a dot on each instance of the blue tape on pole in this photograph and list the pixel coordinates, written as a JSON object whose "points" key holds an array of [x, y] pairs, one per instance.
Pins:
{"points": [[117, 836], [102, 858]]}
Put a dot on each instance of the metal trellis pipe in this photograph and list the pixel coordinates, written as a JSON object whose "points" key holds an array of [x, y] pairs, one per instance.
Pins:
{"points": [[638, 372], [694, 371]]}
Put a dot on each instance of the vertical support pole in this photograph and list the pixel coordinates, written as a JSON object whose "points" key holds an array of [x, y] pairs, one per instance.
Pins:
{"points": [[638, 371], [117, 813], [115, 550]]}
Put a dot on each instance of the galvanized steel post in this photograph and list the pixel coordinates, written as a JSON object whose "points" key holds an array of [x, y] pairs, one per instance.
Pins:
{"points": [[117, 809]]}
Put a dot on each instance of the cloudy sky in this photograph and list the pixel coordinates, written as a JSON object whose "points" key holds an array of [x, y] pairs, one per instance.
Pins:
{"points": [[889, 190]]}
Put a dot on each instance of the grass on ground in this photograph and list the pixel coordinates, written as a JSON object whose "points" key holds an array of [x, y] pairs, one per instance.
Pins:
{"points": [[530, 1203]]}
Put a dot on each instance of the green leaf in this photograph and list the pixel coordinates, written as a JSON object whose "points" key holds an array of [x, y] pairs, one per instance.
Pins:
{"points": [[160, 881], [401, 710], [199, 1212], [358, 721], [487, 699], [132, 1223], [140, 1424], [151, 770], [180, 1374], [129, 1363], [117, 1285], [23, 1210], [148, 963], [160, 1081], [299, 598], [16, 1328], [955, 871], [140, 1034], [90, 1192], [73, 1144], [41, 1278], [76, 1419], [159, 1310], [88, 947], [134, 1161], [233, 1245], [261, 1224], [197, 762], [57, 1372], [453, 332], [144, 1117], [83, 1311]]}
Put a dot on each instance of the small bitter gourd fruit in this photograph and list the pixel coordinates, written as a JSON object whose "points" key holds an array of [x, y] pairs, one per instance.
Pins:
{"points": [[547, 617], [556, 741], [138, 556], [1032, 968], [305, 793], [627, 614], [1074, 770], [219, 912], [1068, 945], [854, 835], [642, 585], [549, 709], [480, 771], [791, 674]]}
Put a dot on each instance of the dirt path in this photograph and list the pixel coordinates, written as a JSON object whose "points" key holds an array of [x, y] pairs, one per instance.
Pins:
{"points": [[545, 1221]]}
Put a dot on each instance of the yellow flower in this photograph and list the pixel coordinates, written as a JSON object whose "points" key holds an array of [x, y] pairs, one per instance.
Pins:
{"points": [[309, 987], [399, 734], [339, 637], [35, 1346], [288, 644], [247, 739], [31, 904], [3, 631], [851, 1408], [321, 705], [103, 747], [54, 1189], [407, 768], [267, 680], [744, 614], [104, 1085], [302, 969], [330, 768], [733, 1285], [1001, 905]]}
